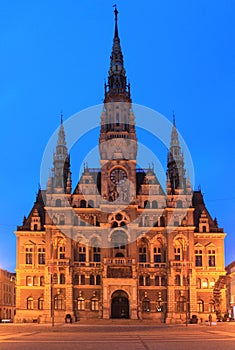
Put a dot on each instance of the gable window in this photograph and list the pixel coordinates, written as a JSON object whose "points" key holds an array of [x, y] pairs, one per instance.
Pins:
{"points": [[81, 253], [62, 252], [142, 254]]}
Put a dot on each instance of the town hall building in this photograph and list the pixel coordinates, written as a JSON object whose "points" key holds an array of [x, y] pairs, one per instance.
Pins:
{"points": [[118, 244]]}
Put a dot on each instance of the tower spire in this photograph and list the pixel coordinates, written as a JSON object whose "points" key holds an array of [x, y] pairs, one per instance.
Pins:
{"points": [[175, 163], [117, 89]]}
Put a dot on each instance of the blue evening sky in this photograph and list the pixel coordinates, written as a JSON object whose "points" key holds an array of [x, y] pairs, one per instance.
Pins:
{"points": [[179, 55]]}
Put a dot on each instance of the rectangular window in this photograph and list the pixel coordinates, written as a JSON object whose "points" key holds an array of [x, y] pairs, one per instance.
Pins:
{"points": [[29, 256], [177, 253], [94, 305], [198, 260]]}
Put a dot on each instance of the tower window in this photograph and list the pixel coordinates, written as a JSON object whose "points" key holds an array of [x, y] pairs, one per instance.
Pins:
{"points": [[177, 253], [211, 258], [198, 257], [29, 256]]}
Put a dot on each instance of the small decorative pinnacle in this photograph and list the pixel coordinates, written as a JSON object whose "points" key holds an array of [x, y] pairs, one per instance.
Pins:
{"points": [[61, 117]]}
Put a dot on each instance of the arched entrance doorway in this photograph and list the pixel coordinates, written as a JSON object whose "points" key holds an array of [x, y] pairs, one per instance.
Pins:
{"points": [[120, 305]]}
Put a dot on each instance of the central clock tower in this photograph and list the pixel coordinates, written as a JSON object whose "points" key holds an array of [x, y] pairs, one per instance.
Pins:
{"points": [[118, 142]]}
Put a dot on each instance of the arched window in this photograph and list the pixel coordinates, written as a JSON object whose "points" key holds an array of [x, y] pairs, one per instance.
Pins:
{"points": [[59, 302], [92, 280], [42, 281], [177, 280], [62, 220], [58, 203], [29, 303], [81, 304], [204, 283], [35, 280], [147, 280], [40, 303], [154, 204], [212, 306], [83, 204], [212, 282], [146, 305], [200, 306], [198, 282], [181, 304], [62, 278], [98, 280], [94, 304], [90, 204], [83, 279], [157, 281], [146, 204]]}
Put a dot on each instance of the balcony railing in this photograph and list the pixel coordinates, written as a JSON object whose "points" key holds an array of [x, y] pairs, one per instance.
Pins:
{"points": [[86, 264], [181, 264], [152, 265], [119, 261]]}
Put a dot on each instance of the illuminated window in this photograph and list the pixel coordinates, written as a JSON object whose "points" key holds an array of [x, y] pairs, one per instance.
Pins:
{"points": [[204, 283], [94, 304], [200, 306], [29, 281], [81, 304], [40, 303], [59, 302]]}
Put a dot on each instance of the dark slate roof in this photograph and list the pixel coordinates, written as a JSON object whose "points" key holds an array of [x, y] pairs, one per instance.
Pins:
{"points": [[199, 205], [39, 205]]}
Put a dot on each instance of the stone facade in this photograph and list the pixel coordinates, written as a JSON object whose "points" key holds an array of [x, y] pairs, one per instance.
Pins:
{"points": [[119, 245]]}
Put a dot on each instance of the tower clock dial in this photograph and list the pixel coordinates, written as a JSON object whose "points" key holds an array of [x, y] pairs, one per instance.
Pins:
{"points": [[118, 176]]}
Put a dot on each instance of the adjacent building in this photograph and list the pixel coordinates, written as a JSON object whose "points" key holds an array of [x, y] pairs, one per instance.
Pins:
{"points": [[7, 295], [119, 245], [231, 290]]}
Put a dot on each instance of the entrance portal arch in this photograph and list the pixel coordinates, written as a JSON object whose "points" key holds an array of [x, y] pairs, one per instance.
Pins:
{"points": [[120, 305]]}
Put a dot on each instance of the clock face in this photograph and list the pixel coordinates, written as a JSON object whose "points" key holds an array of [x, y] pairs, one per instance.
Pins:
{"points": [[118, 176]]}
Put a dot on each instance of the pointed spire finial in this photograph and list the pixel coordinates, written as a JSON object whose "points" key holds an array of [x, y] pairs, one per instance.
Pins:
{"points": [[173, 116], [116, 20], [61, 117]]}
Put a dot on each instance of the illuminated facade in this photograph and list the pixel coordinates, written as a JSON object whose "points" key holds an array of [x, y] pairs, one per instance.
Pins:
{"points": [[119, 245], [7, 295]]}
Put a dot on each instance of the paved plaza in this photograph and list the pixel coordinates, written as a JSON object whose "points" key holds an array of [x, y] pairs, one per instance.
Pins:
{"points": [[117, 335]]}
